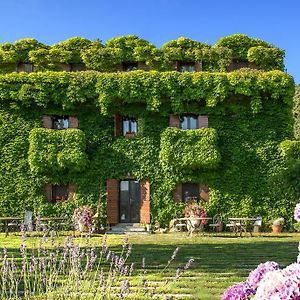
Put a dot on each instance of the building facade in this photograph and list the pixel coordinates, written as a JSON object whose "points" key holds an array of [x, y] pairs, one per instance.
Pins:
{"points": [[141, 130]]}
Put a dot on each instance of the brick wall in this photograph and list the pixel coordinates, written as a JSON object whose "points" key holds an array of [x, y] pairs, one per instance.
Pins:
{"points": [[145, 202], [112, 188]]}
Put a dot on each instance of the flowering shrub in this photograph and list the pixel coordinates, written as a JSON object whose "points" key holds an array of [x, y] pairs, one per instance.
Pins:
{"points": [[297, 217], [82, 214], [268, 282], [193, 209]]}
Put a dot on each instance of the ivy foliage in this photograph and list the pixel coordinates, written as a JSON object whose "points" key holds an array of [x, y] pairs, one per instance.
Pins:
{"points": [[189, 150], [106, 57], [156, 91], [296, 113], [56, 151]]}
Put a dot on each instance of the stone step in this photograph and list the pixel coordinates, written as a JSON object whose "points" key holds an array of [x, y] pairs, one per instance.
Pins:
{"points": [[127, 227]]}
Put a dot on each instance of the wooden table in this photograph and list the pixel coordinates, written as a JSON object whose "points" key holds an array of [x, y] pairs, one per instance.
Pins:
{"points": [[193, 223], [240, 225], [6, 221]]}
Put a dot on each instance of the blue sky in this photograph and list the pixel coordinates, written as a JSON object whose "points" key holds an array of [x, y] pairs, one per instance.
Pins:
{"points": [[158, 21]]}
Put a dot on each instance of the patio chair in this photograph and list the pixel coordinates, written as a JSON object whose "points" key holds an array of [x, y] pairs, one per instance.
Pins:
{"points": [[217, 223], [234, 226], [257, 224], [28, 220]]}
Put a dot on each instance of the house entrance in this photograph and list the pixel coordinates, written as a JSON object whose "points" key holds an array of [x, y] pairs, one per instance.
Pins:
{"points": [[130, 198]]}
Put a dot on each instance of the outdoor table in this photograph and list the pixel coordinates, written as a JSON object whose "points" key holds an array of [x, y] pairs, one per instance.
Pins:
{"points": [[6, 221], [193, 226], [240, 225]]}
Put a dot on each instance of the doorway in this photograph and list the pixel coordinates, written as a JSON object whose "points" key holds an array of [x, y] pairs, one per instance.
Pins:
{"points": [[129, 204]]}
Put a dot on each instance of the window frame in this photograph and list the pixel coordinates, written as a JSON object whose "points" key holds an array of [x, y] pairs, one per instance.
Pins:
{"points": [[196, 187], [182, 64]]}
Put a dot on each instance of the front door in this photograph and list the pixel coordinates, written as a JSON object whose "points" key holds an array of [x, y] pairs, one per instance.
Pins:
{"points": [[130, 198]]}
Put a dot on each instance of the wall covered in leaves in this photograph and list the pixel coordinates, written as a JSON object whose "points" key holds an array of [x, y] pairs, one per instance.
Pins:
{"points": [[249, 112]]}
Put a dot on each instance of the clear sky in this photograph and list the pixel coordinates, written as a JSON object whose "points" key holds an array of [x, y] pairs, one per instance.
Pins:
{"points": [[158, 21]]}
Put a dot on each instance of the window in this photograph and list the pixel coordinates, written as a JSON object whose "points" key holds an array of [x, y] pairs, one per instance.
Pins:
{"points": [[60, 122], [237, 64], [190, 192], [129, 126], [189, 122], [130, 66], [186, 67], [22, 67], [60, 193]]}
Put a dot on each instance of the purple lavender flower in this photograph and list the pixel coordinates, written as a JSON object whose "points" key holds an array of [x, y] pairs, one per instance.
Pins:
{"points": [[297, 212], [240, 291]]}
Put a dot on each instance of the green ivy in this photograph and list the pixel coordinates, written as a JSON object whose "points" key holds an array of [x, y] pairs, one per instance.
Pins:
{"points": [[106, 57], [56, 151], [189, 149]]}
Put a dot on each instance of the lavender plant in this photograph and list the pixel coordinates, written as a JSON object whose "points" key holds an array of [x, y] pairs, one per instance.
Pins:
{"points": [[71, 271]]}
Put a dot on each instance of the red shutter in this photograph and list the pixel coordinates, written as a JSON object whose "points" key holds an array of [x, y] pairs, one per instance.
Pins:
{"points": [[48, 192], [174, 121], [145, 202], [177, 195], [202, 121], [73, 122], [71, 191], [118, 124], [47, 122], [112, 188], [204, 192]]}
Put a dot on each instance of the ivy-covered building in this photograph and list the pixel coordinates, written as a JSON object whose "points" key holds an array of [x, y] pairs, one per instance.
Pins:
{"points": [[148, 128]]}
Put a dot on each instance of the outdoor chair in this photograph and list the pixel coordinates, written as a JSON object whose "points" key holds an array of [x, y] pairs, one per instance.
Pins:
{"points": [[217, 223], [257, 224], [233, 226], [28, 220]]}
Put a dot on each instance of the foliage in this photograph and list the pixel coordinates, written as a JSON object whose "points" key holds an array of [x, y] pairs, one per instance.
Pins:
{"points": [[106, 58], [193, 209], [266, 58], [189, 149], [56, 151], [296, 113], [278, 222], [240, 44]]}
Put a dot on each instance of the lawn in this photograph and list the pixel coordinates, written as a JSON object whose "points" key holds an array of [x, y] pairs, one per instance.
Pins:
{"points": [[219, 261]]}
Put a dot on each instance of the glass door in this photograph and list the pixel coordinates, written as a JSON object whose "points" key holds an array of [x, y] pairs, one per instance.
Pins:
{"points": [[130, 197]]}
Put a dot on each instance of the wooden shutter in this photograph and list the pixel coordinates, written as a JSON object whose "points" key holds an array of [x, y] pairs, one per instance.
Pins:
{"points": [[73, 122], [118, 124], [71, 191], [48, 192], [142, 66], [177, 195], [145, 202], [202, 121], [47, 122], [204, 192], [112, 188], [198, 66], [174, 121]]}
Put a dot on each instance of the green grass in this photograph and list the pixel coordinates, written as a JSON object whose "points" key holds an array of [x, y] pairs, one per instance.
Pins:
{"points": [[220, 261]]}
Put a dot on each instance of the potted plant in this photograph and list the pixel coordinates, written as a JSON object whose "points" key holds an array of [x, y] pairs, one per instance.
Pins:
{"points": [[82, 218], [193, 211], [277, 225]]}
